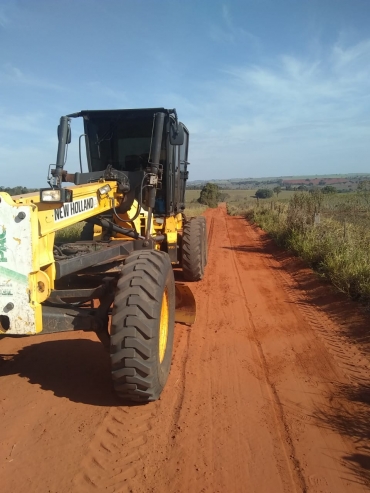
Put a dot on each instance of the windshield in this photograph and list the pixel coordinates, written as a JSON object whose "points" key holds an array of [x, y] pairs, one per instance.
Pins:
{"points": [[123, 143]]}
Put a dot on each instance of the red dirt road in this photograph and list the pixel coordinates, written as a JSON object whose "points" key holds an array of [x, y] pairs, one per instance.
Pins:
{"points": [[269, 392]]}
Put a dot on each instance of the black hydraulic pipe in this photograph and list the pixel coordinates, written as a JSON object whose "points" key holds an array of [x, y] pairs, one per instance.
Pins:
{"points": [[63, 131], [132, 234], [155, 156], [108, 225]]}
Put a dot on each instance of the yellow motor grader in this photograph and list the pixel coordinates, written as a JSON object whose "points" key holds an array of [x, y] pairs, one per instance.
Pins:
{"points": [[118, 278]]}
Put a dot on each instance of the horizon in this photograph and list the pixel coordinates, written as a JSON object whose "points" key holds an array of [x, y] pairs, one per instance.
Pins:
{"points": [[257, 178]]}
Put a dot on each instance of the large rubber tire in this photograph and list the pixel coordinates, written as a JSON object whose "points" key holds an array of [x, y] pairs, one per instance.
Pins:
{"points": [[193, 260], [142, 329]]}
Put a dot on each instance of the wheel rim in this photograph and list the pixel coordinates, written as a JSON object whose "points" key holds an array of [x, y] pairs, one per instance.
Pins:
{"points": [[163, 326]]}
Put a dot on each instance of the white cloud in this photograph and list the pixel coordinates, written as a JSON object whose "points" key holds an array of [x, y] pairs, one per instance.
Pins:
{"points": [[345, 56], [228, 32], [14, 75], [28, 123], [295, 111], [4, 19]]}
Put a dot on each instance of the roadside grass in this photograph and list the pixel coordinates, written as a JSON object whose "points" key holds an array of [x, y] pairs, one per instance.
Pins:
{"points": [[69, 234], [330, 232], [192, 207], [194, 210], [191, 196]]}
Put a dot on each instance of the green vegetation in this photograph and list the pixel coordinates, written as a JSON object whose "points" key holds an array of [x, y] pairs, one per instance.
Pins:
{"points": [[277, 190], [195, 210], [341, 182], [211, 195], [330, 231], [17, 190], [264, 193], [69, 234], [329, 189]]}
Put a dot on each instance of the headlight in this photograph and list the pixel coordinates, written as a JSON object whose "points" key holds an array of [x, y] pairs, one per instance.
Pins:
{"points": [[104, 190], [50, 196], [55, 195]]}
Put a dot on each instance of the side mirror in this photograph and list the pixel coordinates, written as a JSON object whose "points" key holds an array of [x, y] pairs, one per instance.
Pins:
{"points": [[69, 134], [176, 134]]}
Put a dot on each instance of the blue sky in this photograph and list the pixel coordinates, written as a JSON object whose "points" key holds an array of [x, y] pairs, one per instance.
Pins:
{"points": [[266, 87]]}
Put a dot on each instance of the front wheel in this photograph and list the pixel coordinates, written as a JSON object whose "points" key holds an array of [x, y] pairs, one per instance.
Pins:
{"points": [[143, 326]]}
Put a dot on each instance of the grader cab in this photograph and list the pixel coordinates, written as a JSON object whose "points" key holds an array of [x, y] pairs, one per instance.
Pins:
{"points": [[118, 279]]}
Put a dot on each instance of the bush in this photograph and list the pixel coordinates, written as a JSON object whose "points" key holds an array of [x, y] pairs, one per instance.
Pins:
{"points": [[211, 195], [329, 189], [264, 193]]}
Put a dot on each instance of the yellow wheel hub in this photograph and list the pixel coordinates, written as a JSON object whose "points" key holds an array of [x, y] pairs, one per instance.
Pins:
{"points": [[163, 327]]}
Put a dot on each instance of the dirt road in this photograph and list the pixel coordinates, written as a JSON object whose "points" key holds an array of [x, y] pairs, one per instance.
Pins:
{"points": [[269, 392]]}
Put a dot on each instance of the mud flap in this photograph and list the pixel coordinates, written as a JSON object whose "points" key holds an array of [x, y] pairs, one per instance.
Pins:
{"points": [[185, 311]]}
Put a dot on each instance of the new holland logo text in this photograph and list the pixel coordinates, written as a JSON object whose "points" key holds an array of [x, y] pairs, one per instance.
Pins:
{"points": [[71, 209]]}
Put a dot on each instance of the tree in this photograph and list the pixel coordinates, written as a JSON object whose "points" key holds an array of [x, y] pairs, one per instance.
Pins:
{"points": [[277, 190], [314, 189], [363, 189], [329, 189], [19, 190], [209, 195], [264, 193]]}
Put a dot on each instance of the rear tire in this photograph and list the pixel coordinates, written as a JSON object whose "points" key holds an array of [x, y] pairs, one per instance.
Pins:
{"points": [[193, 248], [143, 326]]}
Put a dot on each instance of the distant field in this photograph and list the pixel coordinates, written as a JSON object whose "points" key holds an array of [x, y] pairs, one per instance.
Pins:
{"points": [[350, 179], [236, 196]]}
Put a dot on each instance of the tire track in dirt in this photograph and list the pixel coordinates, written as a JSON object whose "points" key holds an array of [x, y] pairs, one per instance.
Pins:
{"points": [[216, 448], [325, 405], [182, 361], [117, 453], [210, 233], [346, 373], [181, 392], [349, 358], [115, 450], [298, 482]]}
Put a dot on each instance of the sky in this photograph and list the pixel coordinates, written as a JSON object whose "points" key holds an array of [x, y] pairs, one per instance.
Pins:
{"points": [[265, 87]]}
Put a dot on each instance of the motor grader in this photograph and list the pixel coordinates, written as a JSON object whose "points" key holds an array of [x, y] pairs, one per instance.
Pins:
{"points": [[118, 278]]}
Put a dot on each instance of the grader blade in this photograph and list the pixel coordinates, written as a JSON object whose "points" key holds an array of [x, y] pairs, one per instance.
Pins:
{"points": [[185, 311]]}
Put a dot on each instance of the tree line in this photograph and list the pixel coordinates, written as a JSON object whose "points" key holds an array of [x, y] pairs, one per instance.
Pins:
{"points": [[17, 190]]}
